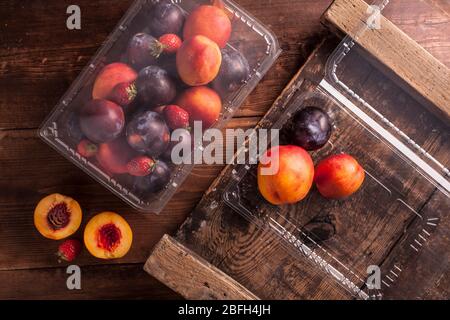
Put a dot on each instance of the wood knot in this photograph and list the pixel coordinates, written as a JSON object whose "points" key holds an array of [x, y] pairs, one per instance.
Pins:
{"points": [[318, 230]]}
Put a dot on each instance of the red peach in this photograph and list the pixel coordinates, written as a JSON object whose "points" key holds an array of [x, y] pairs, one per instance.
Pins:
{"points": [[110, 76], [338, 176], [202, 104], [208, 21], [292, 176], [198, 61], [114, 156]]}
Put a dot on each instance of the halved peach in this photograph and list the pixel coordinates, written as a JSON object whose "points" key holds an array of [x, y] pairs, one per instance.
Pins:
{"points": [[57, 216], [108, 236]]}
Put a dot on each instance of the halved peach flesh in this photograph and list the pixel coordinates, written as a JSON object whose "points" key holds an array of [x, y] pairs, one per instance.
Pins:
{"points": [[57, 216], [108, 236]]}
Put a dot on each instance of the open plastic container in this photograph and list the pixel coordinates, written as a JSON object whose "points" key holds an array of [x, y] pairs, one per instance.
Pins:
{"points": [[254, 41], [391, 228]]}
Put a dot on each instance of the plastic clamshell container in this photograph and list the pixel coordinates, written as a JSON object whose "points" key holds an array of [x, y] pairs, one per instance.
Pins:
{"points": [[253, 40], [394, 226]]}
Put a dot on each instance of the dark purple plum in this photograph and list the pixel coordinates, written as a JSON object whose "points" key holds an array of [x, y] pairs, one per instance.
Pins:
{"points": [[184, 143], [166, 18], [73, 128], [311, 128], [155, 87], [101, 120], [233, 72], [154, 182], [143, 50], [148, 133]]}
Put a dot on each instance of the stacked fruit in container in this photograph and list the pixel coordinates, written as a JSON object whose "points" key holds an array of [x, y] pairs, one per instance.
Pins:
{"points": [[286, 173], [175, 71]]}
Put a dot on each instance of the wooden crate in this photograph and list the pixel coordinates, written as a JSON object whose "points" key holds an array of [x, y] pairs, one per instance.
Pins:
{"points": [[242, 258]]}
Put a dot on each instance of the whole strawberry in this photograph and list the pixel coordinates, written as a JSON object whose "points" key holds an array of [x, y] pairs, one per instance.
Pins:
{"points": [[69, 250], [87, 148], [171, 43], [141, 166], [124, 93], [176, 117]]}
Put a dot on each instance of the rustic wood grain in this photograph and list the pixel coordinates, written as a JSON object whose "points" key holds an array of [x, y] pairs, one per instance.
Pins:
{"points": [[251, 256], [42, 58], [39, 59], [434, 37], [26, 158], [190, 275], [218, 233], [127, 281], [397, 51], [421, 259]]}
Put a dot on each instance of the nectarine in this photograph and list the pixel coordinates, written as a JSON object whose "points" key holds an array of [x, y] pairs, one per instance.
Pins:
{"points": [[291, 177], [198, 61], [338, 176], [109, 77], [202, 104], [208, 21], [114, 156]]}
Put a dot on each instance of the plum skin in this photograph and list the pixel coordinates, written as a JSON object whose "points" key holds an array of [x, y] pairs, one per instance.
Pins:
{"points": [[73, 128], [233, 72], [142, 50], [155, 87], [311, 128], [154, 182], [166, 18], [102, 120], [148, 133]]}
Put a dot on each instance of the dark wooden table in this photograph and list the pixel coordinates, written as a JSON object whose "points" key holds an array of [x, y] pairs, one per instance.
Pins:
{"points": [[39, 58]]}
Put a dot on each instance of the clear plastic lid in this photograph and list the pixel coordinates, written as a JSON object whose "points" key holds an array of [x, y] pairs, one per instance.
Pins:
{"points": [[390, 239]]}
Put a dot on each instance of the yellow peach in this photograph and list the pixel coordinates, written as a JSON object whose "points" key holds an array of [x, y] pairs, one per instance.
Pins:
{"points": [[198, 61], [57, 216], [108, 236]]}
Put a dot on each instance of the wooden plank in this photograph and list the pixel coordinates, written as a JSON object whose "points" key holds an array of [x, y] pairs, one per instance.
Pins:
{"points": [[434, 35], [243, 251], [39, 60], [397, 51], [253, 257], [239, 248], [128, 281], [190, 275]]}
